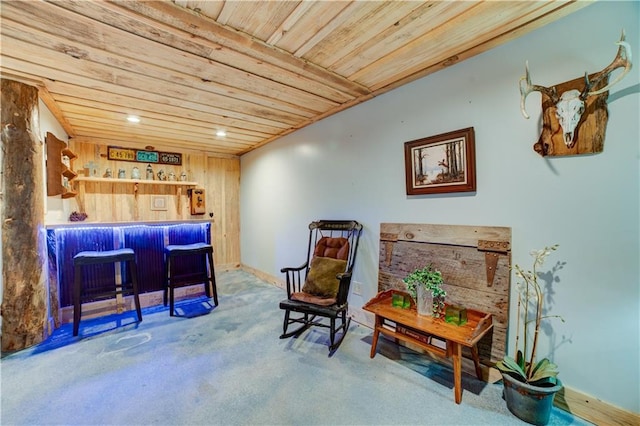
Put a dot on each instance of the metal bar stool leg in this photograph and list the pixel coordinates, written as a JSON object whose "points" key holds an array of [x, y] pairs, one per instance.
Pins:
{"points": [[205, 274], [133, 268], [165, 293], [170, 287], [212, 278], [77, 295]]}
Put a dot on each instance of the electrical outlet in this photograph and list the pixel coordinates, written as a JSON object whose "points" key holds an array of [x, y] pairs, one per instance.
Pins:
{"points": [[357, 288]]}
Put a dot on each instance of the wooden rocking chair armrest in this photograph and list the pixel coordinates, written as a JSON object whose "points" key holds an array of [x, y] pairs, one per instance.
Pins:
{"points": [[294, 278], [344, 276], [294, 268], [343, 289]]}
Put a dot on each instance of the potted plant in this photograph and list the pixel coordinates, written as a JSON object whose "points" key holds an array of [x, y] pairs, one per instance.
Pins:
{"points": [[530, 386], [425, 286]]}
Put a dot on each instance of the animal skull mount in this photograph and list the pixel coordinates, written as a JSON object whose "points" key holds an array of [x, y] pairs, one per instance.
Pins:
{"points": [[575, 122]]}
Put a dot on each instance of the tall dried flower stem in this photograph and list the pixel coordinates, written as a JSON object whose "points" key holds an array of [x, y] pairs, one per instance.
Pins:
{"points": [[530, 306], [540, 300], [518, 323]]}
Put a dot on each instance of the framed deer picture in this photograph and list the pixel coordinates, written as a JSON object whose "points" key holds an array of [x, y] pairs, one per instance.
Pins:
{"points": [[442, 163]]}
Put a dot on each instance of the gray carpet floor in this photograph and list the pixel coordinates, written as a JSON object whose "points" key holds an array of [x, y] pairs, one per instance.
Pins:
{"points": [[227, 366]]}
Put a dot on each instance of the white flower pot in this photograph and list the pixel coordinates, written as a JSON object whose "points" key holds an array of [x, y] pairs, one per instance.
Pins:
{"points": [[424, 304]]}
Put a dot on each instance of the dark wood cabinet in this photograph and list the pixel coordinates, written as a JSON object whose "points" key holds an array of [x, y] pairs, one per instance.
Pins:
{"points": [[59, 167]]}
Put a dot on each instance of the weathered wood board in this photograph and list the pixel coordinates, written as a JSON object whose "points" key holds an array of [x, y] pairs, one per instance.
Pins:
{"points": [[474, 261], [24, 295]]}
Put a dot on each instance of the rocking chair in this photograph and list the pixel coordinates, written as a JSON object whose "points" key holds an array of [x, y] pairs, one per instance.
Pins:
{"points": [[319, 287]]}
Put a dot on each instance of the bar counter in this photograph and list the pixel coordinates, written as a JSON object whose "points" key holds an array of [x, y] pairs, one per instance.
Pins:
{"points": [[87, 223], [147, 239]]}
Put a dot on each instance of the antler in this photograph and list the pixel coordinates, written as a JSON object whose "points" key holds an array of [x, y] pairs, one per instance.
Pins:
{"points": [[622, 59], [527, 88]]}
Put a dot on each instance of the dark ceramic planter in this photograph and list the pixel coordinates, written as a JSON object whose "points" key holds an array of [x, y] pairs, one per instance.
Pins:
{"points": [[531, 404]]}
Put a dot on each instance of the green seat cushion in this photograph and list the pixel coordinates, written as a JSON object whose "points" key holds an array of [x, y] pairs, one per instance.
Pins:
{"points": [[321, 280]]}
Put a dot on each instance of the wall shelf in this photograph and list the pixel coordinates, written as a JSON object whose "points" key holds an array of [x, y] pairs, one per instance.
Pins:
{"points": [[57, 169], [138, 181], [68, 173]]}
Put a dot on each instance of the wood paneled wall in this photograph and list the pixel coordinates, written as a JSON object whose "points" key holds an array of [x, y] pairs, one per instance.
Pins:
{"points": [[223, 199], [116, 201]]}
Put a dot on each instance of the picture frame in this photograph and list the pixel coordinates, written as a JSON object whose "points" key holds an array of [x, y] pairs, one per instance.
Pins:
{"points": [[159, 202], [441, 164]]}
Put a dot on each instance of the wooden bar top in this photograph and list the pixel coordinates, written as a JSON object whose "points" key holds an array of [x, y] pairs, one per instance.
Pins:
{"points": [[129, 223]]}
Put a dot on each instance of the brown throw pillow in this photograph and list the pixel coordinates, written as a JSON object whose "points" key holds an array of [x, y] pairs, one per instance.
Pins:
{"points": [[321, 280]]}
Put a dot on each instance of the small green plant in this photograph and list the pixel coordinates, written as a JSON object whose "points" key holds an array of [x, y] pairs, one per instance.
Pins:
{"points": [[431, 280], [530, 312]]}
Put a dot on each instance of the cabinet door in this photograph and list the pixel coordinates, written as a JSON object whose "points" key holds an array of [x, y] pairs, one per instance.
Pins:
{"points": [[56, 170], [54, 165]]}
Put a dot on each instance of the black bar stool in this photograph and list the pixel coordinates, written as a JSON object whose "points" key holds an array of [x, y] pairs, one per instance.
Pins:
{"points": [[180, 277], [103, 257]]}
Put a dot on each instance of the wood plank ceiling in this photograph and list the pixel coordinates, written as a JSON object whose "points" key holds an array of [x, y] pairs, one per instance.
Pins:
{"points": [[255, 69]]}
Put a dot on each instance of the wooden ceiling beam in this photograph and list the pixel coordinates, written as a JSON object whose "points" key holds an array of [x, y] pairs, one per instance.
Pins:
{"points": [[53, 53], [152, 129], [208, 29], [96, 128], [321, 15], [55, 110], [77, 108], [108, 28], [142, 89], [298, 13], [90, 108], [334, 23], [482, 35], [425, 18], [368, 18]]}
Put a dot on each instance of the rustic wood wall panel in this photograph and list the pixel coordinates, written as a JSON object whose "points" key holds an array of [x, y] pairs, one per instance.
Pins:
{"points": [[464, 255], [116, 201]]}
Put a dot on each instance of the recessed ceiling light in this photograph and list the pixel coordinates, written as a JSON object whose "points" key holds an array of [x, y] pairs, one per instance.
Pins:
{"points": [[133, 119], [221, 133]]}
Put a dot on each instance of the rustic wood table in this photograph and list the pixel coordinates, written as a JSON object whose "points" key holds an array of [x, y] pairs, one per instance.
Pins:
{"points": [[408, 326]]}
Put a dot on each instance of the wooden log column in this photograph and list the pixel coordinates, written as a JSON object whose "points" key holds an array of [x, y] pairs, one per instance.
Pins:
{"points": [[24, 297]]}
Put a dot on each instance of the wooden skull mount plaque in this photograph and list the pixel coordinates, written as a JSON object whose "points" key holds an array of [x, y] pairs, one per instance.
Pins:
{"points": [[574, 113], [588, 135]]}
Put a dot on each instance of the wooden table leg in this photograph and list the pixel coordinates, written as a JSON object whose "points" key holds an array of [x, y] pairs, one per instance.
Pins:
{"points": [[456, 355], [376, 333], [476, 361]]}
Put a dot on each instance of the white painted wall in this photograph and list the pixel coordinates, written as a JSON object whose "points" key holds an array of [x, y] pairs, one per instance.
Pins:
{"points": [[351, 166]]}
